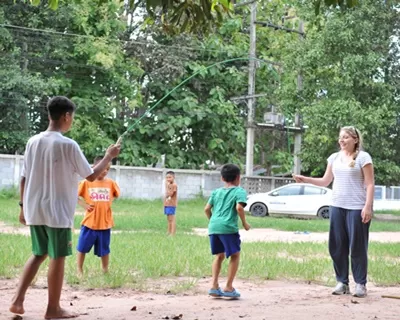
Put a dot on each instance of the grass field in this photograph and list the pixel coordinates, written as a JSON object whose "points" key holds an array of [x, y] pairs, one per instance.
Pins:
{"points": [[148, 215], [142, 252]]}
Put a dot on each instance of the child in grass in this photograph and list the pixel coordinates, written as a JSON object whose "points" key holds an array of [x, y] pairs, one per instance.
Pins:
{"points": [[170, 201], [48, 188], [96, 197], [223, 209]]}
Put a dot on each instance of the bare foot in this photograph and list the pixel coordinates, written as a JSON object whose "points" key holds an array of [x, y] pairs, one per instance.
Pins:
{"points": [[79, 274], [60, 314], [17, 308]]}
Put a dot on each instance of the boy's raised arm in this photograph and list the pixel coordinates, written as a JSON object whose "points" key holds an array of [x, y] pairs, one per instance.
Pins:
{"points": [[111, 153]]}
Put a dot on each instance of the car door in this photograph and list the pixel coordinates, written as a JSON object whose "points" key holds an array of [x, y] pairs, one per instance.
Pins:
{"points": [[311, 200], [283, 200]]}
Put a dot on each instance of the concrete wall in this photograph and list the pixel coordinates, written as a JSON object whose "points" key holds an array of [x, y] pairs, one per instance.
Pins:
{"points": [[148, 183], [10, 168], [135, 182]]}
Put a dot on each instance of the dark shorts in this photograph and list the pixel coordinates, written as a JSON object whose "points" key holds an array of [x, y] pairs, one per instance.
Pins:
{"points": [[100, 239], [228, 243], [56, 242], [169, 210]]}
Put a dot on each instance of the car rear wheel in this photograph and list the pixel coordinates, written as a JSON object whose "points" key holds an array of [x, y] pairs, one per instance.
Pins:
{"points": [[259, 209], [323, 213]]}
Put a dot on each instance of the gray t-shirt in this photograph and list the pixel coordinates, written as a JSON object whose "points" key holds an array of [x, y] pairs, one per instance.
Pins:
{"points": [[348, 189]]}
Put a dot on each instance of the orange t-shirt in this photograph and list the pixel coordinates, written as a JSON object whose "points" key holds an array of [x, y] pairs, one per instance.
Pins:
{"points": [[99, 193]]}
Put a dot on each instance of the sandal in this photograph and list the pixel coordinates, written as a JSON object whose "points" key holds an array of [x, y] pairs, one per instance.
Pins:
{"points": [[215, 292], [231, 294]]}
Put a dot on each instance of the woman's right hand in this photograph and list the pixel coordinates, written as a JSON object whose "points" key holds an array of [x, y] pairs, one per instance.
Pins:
{"points": [[299, 178]]}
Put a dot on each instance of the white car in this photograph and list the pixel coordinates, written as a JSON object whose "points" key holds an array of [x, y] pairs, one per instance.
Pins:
{"points": [[293, 199]]}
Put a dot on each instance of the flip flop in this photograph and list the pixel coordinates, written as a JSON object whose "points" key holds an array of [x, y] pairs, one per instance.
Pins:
{"points": [[231, 294], [215, 292]]}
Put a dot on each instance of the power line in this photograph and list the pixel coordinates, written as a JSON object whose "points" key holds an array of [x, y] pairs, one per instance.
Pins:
{"points": [[52, 32]]}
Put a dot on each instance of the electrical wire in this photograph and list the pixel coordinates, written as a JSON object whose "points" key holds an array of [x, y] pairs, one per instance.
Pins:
{"points": [[145, 43]]}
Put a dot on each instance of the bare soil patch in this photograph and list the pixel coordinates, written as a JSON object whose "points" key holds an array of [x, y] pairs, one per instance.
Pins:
{"points": [[272, 235], [254, 235], [262, 300]]}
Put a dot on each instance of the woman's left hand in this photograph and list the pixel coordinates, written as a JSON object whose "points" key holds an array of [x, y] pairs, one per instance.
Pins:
{"points": [[366, 214]]}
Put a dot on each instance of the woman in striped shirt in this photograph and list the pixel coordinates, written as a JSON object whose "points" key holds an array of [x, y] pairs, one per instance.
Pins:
{"points": [[352, 172]]}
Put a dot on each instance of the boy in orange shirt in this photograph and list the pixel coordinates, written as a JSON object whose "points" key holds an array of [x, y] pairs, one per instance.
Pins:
{"points": [[98, 221]]}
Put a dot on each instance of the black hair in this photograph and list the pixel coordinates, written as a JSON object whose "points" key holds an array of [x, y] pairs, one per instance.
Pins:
{"points": [[230, 172], [98, 159], [58, 106], [171, 173]]}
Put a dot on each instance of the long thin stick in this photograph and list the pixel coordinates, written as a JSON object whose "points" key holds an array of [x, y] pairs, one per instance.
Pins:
{"points": [[391, 297]]}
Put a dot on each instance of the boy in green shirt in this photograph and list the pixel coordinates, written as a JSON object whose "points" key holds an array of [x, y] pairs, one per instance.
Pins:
{"points": [[223, 209]]}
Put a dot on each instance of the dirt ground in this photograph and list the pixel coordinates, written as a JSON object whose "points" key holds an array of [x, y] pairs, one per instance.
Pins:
{"points": [[272, 235], [267, 300], [260, 300]]}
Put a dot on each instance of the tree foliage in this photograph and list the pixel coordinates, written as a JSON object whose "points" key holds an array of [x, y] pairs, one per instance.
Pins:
{"points": [[195, 16], [192, 125], [350, 68], [116, 63], [89, 66]]}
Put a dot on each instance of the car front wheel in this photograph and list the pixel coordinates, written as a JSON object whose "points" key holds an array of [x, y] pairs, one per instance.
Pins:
{"points": [[323, 213], [259, 209]]}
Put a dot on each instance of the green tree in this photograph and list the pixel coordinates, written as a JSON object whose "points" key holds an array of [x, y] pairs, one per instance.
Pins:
{"points": [[196, 16], [88, 64], [21, 92], [350, 67], [198, 121]]}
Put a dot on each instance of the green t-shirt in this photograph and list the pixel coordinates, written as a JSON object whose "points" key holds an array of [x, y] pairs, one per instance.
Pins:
{"points": [[224, 217]]}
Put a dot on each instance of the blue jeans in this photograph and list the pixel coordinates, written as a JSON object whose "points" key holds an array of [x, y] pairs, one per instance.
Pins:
{"points": [[348, 235]]}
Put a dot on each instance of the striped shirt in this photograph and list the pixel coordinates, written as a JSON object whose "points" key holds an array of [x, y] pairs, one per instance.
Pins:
{"points": [[348, 190]]}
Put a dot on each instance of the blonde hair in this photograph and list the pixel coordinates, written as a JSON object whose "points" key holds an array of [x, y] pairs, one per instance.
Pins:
{"points": [[355, 134]]}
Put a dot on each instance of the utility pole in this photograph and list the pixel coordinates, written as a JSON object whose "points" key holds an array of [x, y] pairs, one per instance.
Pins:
{"points": [[251, 92], [297, 136], [297, 129]]}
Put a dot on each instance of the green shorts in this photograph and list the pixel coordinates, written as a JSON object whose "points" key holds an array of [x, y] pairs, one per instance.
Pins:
{"points": [[56, 242]]}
